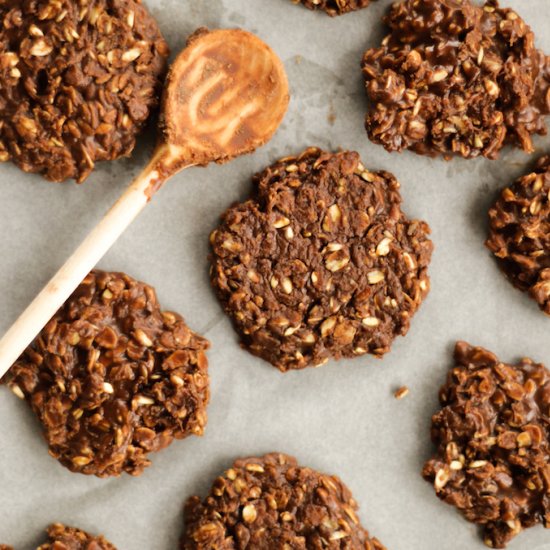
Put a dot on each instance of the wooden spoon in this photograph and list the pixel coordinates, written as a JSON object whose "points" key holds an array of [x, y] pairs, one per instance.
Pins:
{"points": [[226, 95]]}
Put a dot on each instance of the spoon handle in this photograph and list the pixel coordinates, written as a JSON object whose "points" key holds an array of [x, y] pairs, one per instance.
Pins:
{"points": [[83, 260]]}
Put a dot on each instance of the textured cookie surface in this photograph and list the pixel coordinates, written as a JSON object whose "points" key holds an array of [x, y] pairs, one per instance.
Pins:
{"points": [[112, 377], [321, 262], [78, 80], [273, 503], [492, 459], [452, 78], [519, 233], [334, 7], [68, 538]]}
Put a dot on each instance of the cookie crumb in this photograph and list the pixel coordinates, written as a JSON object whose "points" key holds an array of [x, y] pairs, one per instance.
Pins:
{"points": [[401, 392]]}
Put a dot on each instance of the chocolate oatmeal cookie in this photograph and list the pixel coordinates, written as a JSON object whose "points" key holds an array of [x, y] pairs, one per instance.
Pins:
{"points": [[78, 80], [452, 78], [334, 7], [113, 378], [321, 262], [492, 459], [69, 538], [520, 233], [273, 503]]}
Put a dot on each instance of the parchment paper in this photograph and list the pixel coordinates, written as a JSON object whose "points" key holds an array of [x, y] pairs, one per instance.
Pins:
{"points": [[341, 418]]}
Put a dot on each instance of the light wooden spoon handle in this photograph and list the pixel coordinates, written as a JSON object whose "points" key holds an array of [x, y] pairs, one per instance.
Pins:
{"points": [[83, 260]]}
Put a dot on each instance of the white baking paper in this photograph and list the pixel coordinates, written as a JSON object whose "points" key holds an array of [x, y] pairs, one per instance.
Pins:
{"points": [[341, 418]]}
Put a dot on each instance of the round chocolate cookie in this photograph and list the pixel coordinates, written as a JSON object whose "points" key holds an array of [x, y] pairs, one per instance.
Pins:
{"points": [[334, 7], [273, 503], [493, 453], [321, 262], [69, 538], [454, 78], [78, 80], [112, 377], [519, 233]]}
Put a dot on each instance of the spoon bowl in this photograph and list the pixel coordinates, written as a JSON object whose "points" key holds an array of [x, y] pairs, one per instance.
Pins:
{"points": [[226, 95]]}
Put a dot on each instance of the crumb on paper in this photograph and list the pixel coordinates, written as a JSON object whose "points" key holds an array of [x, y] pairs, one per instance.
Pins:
{"points": [[401, 392]]}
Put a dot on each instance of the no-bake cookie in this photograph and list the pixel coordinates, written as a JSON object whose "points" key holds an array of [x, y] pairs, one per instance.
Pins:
{"points": [[113, 378], [321, 262], [69, 538], [273, 503], [492, 459], [454, 78], [78, 80], [334, 7], [520, 233]]}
